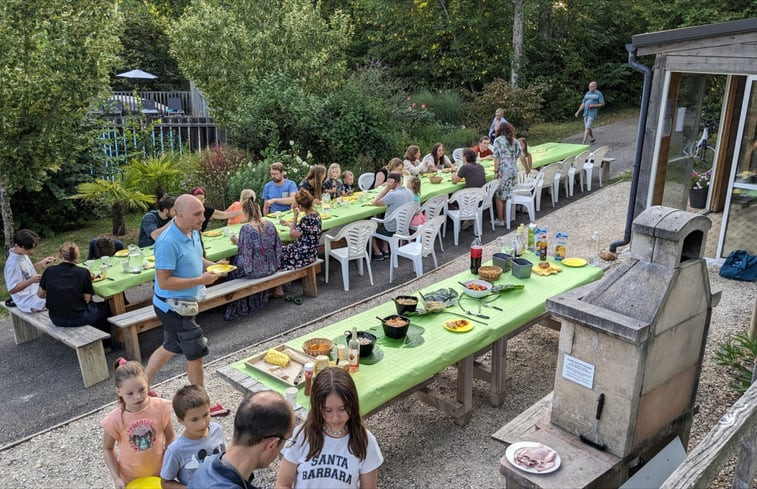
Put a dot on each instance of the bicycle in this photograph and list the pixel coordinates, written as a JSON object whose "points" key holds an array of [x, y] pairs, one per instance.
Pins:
{"points": [[701, 149]]}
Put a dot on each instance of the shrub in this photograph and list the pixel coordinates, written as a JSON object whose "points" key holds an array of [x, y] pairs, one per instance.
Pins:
{"points": [[522, 106], [217, 164], [447, 106], [738, 355]]}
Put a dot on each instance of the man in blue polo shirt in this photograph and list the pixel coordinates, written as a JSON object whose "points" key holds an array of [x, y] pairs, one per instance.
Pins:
{"points": [[180, 280], [278, 194], [592, 101]]}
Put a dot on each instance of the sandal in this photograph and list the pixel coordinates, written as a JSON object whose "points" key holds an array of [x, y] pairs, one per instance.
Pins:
{"points": [[218, 410], [294, 298]]}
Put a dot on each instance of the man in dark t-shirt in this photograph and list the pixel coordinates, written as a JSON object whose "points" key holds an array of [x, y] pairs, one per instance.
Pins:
{"points": [[472, 172]]}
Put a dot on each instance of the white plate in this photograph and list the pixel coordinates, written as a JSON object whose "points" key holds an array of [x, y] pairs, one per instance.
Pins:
{"points": [[512, 449]]}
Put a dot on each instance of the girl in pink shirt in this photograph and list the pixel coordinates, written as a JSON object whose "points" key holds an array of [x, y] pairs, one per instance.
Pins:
{"points": [[141, 426]]}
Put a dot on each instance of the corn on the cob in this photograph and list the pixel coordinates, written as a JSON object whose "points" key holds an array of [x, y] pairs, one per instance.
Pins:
{"points": [[275, 357]]}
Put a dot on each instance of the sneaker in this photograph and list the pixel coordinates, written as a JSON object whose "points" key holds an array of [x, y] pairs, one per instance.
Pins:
{"points": [[593, 141], [377, 257], [499, 224], [386, 254]]}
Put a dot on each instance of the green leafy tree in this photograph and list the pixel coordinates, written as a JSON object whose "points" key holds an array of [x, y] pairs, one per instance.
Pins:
{"points": [[118, 194], [54, 65]]}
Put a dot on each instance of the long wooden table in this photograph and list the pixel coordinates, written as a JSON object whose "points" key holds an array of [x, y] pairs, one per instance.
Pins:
{"points": [[406, 370]]}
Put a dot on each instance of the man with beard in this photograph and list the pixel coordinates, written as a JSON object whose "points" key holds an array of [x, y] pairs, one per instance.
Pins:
{"points": [[278, 194]]}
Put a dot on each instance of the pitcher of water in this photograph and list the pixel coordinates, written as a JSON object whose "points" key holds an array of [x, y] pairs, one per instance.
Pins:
{"points": [[135, 259]]}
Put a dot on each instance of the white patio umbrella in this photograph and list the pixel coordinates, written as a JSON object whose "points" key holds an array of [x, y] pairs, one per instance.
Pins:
{"points": [[137, 75]]}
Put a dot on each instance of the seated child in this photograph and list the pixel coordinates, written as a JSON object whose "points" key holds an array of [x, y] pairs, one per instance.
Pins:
{"points": [[99, 247], [200, 439], [348, 183], [21, 275], [414, 185], [333, 185]]}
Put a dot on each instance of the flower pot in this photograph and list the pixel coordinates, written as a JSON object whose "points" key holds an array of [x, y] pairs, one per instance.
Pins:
{"points": [[698, 197]]}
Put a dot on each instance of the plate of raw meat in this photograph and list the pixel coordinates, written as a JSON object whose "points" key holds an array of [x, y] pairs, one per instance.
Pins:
{"points": [[533, 457]]}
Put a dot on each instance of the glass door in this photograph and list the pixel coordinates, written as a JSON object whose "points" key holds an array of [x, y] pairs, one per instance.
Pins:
{"points": [[739, 227]]}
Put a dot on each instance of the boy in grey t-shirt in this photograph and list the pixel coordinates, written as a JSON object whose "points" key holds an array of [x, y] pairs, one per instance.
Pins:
{"points": [[200, 439]]}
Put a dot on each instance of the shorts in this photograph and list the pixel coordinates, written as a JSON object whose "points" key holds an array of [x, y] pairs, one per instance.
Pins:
{"points": [[382, 230], [181, 334], [588, 121]]}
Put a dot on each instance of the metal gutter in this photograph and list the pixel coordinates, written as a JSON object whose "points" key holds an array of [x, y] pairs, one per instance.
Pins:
{"points": [[643, 112]]}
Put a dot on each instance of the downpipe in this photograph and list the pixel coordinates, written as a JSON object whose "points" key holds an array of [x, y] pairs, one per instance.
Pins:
{"points": [[643, 112]]}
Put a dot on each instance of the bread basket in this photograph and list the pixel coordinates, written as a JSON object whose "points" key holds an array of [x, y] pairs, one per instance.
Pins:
{"points": [[490, 273], [435, 179], [317, 346]]}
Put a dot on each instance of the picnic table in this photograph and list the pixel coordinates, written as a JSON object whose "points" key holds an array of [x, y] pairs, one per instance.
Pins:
{"points": [[405, 369]]}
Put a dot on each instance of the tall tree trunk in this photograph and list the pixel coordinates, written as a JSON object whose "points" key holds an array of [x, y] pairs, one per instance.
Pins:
{"points": [[118, 218], [517, 42], [7, 215]]}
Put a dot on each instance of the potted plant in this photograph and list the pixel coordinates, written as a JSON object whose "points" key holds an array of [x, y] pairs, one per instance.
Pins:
{"points": [[700, 186]]}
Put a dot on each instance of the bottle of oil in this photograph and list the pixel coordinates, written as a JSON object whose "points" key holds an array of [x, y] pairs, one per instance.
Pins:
{"points": [[353, 351]]}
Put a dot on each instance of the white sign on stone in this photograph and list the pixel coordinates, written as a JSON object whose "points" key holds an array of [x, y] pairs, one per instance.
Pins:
{"points": [[578, 371]]}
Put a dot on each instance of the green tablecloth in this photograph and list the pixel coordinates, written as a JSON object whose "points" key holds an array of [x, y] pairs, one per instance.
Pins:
{"points": [[544, 154], [403, 368]]}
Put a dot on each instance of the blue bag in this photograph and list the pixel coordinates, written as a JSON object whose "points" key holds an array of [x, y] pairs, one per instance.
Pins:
{"points": [[740, 265]]}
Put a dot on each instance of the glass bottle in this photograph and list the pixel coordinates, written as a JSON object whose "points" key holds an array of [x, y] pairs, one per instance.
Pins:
{"points": [[309, 368], [353, 351], [594, 256], [476, 252], [326, 201]]}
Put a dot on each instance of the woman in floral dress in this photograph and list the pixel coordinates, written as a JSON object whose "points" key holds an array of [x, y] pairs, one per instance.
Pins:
{"points": [[304, 249], [507, 150], [258, 256]]}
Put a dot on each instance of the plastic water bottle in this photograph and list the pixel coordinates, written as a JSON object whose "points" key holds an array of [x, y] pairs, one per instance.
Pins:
{"points": [[594, 258]]}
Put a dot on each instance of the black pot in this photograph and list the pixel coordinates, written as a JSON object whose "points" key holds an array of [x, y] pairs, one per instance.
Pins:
{"points": [[403, 308], [396, 332], [365, 350], [698, 197]]}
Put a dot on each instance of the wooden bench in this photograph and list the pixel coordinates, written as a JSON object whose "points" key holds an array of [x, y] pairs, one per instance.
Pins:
{"points": [[138, 320], [86, 340]]}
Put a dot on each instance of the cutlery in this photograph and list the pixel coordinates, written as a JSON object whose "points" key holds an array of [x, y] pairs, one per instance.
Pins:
{"points": [[492, 306], [465, 316], [482, 316]]}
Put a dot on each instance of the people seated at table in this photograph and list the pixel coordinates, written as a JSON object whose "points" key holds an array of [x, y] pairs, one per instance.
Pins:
{"points": [[471, 171], [395, 165], [437, 160], [21, 276], [482, 149], [237, 206], [103, 246], [258, 255], [332, 185], [156, 221], [499, 118], [506, 153], [332, 448], [278, 194], [67, 290], [392, 196], [414, 185], [348, 183], [526, 161], [414, 164], [211, 213], [313, 182], [306, 233]]}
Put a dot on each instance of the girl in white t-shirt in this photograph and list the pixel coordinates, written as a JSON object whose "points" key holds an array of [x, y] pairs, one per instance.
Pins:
{"points": [[332, 449]]}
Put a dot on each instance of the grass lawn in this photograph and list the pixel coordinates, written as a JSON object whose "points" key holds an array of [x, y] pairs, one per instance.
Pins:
{"points": [[541, 133]]}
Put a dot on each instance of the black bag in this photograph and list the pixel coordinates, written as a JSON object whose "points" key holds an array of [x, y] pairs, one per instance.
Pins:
{"points": [[740, 265]]}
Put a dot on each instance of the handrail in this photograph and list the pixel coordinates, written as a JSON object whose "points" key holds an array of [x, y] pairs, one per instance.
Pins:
{"points": [[736, 429]]}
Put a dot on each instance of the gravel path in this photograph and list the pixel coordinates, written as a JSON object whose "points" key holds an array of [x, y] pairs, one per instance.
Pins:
{"points": [[422, 447]]}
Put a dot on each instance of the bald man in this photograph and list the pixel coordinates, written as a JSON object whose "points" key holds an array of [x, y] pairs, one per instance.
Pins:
{"points": [[592, 101], [180, 282]]}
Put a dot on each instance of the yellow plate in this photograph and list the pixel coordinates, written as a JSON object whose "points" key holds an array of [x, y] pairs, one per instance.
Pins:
{"points": [[326, 216], [151, 258], [221, 268], [213, 233], [574, 262], [122, 253], [458, 325], [97, 278], [150, 482]]}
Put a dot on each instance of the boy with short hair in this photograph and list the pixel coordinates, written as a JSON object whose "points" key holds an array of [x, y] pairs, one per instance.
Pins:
{"points": [[200, 439]]}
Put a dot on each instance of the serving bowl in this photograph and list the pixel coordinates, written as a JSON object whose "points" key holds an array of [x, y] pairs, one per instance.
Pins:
{"points": [[405, 303], [490, 273], [317, 346], [435, 179], [367, 341], [395, 326], [476, 288]]}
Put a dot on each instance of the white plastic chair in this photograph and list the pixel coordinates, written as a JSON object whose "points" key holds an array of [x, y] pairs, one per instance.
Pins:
{"points": [[420, 244], [457, 155], [490, 188], [433, 207], [549, 180], [523, 194], [562, 176], [595, 159], [358, 235], [365, 181], [577, 169], [401, 217], [469, 209]]}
